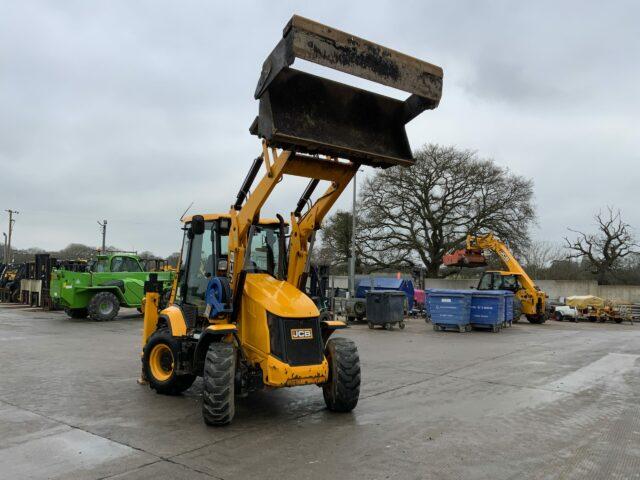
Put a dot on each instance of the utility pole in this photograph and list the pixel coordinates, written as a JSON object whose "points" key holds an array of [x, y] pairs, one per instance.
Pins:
{"points": [[11, 222], [103, 227], [4, 250], [352, 260]]}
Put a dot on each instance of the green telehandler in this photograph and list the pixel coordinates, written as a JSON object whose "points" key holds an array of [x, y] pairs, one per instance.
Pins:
{"points": [[112, 281]]}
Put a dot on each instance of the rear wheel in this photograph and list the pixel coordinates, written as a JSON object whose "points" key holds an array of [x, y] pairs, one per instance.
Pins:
{"points": [[218, 406], [517, 310], [360, 309], [536, 319], [342, 391], [159, 363], [103, 307], [76, 312]]}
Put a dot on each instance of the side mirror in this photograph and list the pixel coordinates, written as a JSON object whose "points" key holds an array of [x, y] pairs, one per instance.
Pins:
{"points": [[197, 224]]}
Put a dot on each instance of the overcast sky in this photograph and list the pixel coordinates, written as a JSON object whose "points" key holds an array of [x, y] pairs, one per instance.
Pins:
{"points": [[130, 110]]}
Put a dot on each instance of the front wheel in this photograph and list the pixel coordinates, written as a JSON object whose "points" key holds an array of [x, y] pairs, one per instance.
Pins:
{"points": [[218, 404], [103, 307], [342, 391], [159, 363], [558, 316]]}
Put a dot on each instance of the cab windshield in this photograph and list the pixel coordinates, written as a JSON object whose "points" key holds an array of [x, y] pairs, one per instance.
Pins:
{"points": [[265, 253], [495, 281]]}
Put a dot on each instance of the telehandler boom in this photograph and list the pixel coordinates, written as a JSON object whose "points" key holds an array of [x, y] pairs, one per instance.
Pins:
{"points": [[239, 316]]}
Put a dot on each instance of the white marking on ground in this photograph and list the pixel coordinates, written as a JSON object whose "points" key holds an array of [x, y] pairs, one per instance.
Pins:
{"points": [[608, 371]]}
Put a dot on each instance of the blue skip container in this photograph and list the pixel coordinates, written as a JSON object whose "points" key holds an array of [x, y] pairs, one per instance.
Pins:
{"points": [[449, 309], [508, 308], [488, 310]]}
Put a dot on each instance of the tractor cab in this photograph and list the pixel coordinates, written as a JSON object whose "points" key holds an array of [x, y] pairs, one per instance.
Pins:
{"points": [[205, 256], [496, 280]]}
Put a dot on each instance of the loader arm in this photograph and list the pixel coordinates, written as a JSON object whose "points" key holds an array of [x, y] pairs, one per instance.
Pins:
{"points": [[302, 226], [249, 213]]}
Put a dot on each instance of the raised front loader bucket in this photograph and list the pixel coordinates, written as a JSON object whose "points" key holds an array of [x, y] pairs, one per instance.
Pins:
{"points": [[307, 113]]}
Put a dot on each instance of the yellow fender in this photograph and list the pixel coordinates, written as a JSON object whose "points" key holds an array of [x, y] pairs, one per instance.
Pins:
{"points": [[175, 320]]}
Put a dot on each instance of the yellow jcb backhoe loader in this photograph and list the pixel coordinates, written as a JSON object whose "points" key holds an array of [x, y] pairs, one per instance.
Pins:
{"points": [[238, 315]]}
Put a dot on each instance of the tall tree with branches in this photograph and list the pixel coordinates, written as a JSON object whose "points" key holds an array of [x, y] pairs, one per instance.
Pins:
{"points": [[414, 216], [605, 249]]}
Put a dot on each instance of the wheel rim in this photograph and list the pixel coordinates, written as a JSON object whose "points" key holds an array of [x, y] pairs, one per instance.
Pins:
{"points": [[105, 308], [161, 362]]}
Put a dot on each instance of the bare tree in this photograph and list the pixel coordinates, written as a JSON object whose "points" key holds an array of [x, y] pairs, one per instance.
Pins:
{"points": [[334, 247], [414, 216], [539, 256], [605, 249]]}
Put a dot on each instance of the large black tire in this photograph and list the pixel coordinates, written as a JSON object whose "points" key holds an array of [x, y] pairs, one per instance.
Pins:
{"points": [[76, 312], [517, 310], [158, 364], [103, 307], [360, 308], [536, 319], [218, 404], [342, 391], [558, 316]]}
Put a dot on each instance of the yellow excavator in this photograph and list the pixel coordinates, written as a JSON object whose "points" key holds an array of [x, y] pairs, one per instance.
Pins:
{"points": [[238, 314], [531, 300]]}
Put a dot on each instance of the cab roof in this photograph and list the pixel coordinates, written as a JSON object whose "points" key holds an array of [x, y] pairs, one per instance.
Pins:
{"points": [[216, 216], [502, 272]]}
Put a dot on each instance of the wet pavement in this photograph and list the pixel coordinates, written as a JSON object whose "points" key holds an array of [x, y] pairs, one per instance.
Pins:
{"points": [[559, 400]]}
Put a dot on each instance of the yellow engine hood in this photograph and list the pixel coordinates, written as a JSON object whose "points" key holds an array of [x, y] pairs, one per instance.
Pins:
{"points": [[279, 297]]}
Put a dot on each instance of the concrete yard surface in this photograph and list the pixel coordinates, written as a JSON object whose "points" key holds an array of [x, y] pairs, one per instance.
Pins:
{"points": [[552, 401]]}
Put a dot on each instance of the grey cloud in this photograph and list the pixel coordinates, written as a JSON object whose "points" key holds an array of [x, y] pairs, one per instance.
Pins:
{"points": [[131, 110]]}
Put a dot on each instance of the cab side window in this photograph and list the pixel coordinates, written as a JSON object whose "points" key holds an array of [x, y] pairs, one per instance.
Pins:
{"points": [[117, 264], [130, 265]]}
